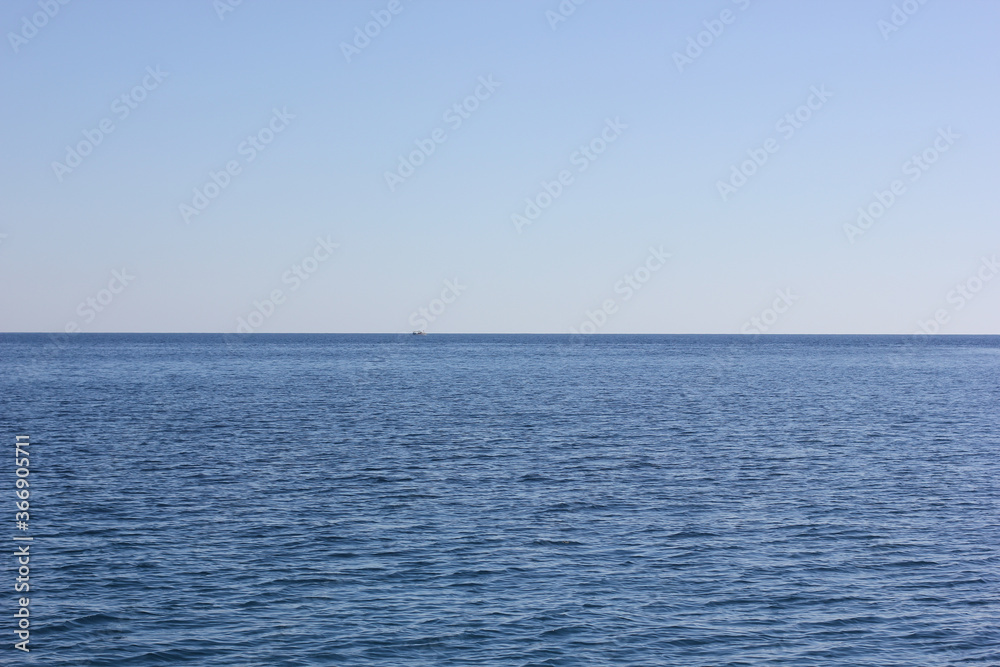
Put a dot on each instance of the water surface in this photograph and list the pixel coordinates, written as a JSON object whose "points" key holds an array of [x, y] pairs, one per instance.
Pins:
{"points": [[509, 500]]}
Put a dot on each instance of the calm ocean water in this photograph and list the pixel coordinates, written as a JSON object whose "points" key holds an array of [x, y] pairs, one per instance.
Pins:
{"points": [[507, 500]]}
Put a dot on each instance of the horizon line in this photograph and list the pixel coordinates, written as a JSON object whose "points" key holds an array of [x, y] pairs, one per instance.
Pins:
{"points": [[461, 333]]}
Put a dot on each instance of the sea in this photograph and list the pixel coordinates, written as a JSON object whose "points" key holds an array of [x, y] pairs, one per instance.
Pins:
{"points": [[401, 500]]}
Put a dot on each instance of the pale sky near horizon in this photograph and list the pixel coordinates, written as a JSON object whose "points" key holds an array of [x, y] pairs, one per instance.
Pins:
{"points": [[591, 172]]}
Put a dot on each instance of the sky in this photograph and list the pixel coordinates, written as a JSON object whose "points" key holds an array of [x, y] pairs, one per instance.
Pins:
{"points": [[727, 166]]}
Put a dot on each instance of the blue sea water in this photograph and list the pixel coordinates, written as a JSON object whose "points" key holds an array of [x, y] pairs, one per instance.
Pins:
{"points": [[506, 500]]}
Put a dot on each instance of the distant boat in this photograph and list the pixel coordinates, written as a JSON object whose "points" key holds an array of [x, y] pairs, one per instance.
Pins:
{"points": [[420, 333]]}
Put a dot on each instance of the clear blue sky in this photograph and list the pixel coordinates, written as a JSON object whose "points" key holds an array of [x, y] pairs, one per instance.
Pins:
{"points": [[672, 131]]}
